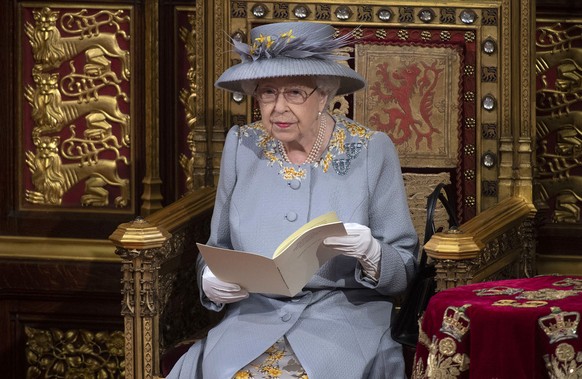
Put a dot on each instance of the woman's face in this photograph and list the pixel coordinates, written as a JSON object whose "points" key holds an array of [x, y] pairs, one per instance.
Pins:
{"points": [[290, 107]]}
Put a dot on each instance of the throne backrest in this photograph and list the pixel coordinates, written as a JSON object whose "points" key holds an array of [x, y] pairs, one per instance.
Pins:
{"points": [[451, 85]]}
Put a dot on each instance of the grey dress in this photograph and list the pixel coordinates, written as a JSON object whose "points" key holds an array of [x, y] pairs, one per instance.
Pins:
{"points": [[339, 325]]}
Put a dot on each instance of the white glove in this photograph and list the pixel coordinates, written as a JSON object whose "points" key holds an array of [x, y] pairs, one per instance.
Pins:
{"points": [[359, 244], [219, 291]]}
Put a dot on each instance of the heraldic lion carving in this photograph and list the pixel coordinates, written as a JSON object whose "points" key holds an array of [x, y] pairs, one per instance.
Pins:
{"points": [[50, 50], [52, 179], [50, 113]]}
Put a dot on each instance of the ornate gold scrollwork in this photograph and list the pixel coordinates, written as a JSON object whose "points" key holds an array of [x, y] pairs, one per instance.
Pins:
{"points": [[139, 244], [194, 167], [96, 94], [559, 161], [75, 353]]}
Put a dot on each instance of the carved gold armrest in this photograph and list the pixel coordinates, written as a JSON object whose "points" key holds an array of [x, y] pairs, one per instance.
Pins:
{"points": [[158, 255], [498, 243]]}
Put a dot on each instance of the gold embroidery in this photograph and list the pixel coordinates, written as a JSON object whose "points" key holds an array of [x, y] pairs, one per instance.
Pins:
{"points": [[565, 352], [517, 304], [325, 162], [337, 146], [560, 325], [290, 173], [547, 294], [264, 141], [504, 303], [500, 290], [455, 323], [270, 155], [338, 140], [422, 336], [418, 370], [533, 304], [567, 282], [445, 366], [566, 363], [447, 346], [358, 130], [443, 360]]}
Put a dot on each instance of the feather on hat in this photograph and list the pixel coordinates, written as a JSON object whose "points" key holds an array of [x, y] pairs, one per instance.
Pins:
{"points": [[291, 49]]}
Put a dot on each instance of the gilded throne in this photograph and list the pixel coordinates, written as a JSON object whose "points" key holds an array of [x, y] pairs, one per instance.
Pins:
{"points": [[451, 84]]}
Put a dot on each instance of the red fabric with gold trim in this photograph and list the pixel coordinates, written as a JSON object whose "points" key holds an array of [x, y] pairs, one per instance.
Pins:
{"points": [[522, 328]]}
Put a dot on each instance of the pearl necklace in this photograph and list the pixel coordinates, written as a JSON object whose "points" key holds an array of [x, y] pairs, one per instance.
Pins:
{"points": [[313, 154]]}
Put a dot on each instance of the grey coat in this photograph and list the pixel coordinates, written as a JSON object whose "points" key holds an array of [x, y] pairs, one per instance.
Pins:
{"points": [[339, 325]]}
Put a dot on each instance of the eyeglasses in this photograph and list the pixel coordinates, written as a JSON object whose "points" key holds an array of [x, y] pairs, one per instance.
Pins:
{"points": [[295, 96]]}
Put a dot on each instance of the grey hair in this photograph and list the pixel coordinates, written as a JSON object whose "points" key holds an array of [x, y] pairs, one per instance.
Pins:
{"points": [[326, 84]]}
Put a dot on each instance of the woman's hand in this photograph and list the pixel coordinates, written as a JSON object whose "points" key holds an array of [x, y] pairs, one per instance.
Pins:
{"points": [[359, 244], [219, 291]]}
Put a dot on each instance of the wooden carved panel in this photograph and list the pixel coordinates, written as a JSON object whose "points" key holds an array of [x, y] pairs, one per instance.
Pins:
{"points": [[60, 354], [60, 320], [558, 188], [73, 124], [76, 120], [193, 147], [558, 180]]}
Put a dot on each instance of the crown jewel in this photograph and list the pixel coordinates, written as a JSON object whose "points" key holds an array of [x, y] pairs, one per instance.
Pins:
{"points": [[455, 322], [559, 325]]}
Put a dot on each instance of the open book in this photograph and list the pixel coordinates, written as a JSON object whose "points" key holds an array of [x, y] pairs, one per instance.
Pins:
{"points": [[293, 263]]}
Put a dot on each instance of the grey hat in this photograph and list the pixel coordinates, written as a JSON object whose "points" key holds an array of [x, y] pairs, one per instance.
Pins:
{"points": [[291, 49]]}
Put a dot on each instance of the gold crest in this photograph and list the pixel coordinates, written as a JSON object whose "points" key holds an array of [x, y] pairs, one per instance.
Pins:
{"points": [[559, 325]]}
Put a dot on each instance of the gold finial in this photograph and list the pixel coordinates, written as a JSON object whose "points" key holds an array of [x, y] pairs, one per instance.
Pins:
{"points": [[139, 234]]}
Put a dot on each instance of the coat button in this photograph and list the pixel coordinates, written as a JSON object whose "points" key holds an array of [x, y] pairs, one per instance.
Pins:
{"points": [[295, 184], [291, 216], [286, 317]]}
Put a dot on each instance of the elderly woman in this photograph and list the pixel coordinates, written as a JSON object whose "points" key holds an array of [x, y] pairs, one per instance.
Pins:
{"points": [[299, 162]]}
